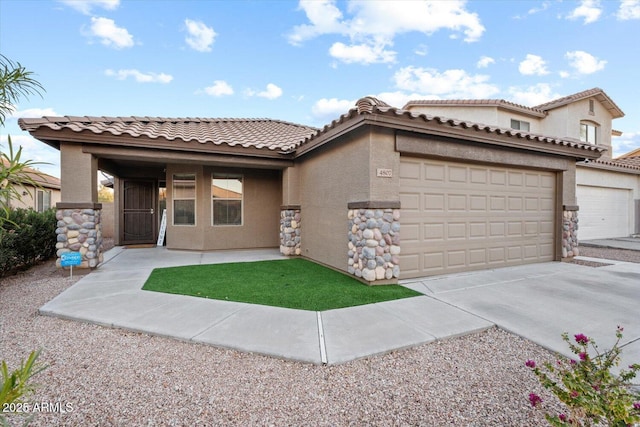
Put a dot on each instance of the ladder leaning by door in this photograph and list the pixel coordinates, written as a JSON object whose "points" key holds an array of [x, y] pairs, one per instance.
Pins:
{"points": [[163, 228]]}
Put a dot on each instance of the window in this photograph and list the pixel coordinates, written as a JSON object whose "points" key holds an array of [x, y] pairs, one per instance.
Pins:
{"points": [[591, 107], [226, 199], [588, 133], [520, 125], [43, 200], [184, 199]]}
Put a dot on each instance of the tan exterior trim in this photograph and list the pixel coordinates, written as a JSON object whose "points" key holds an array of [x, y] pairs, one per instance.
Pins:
{"points": [[374, 204], [78, 205]]}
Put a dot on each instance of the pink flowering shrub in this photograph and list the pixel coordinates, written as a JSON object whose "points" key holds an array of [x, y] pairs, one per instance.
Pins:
{"points": [[591, 392]]}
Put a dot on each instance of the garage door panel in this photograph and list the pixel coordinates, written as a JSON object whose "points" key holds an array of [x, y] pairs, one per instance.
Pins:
{"points": [[474, 217], [604, 212]]}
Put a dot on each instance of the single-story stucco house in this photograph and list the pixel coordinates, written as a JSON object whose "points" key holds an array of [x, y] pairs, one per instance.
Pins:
{"points": [[39, 198], [381, 193]]}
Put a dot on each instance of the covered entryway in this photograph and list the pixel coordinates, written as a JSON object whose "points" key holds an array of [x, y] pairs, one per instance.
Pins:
{"points": [[138, 211], [604, 212], [462, 216]]}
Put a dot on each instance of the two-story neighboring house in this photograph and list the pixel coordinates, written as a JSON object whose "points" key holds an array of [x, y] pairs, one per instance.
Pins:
{"points": [[607, 190], [38, 198]]}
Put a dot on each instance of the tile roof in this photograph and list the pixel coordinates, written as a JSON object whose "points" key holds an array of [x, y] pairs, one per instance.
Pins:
{"points": [[596, 92], [476, 103], [628, 164], [256, 133], [47, 181], [370, 105]]}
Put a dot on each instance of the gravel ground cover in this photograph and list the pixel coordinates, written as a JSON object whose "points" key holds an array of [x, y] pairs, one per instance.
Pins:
{"points": [[112, 377]]}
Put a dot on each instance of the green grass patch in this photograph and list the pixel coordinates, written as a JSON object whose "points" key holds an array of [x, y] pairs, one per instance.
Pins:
{"points": [[291, 283]]}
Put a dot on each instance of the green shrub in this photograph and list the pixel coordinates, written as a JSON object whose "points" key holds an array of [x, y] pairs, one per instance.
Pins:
{"points": [[591, 391], [28, 237]]}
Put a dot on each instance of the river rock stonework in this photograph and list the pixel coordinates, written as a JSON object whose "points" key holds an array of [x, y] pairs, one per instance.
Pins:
{"points": [[290, 231], [570, 232], [374, 244], [80, 230]]}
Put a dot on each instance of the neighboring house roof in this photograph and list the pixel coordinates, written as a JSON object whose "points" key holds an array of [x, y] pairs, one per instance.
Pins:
{"points": [[634, 153], [412, 121], [596, 92], [629, 165], [537, 110], [46, 181], [499, 103], [256, 133]]}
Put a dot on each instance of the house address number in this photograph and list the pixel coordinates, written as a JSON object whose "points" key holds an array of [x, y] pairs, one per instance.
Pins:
{"points": [[384, 173]]}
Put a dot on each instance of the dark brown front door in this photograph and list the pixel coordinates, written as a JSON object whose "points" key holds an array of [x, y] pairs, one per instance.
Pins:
{"points": [[138, 213]]}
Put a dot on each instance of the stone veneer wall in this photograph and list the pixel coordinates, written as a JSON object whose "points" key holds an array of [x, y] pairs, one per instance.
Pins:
{"points": [[374, 241], [79, 229], [570, 231], [290, 230]]}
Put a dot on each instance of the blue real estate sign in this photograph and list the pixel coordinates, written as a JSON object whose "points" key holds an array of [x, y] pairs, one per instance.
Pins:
{"points": [[70, 259]]}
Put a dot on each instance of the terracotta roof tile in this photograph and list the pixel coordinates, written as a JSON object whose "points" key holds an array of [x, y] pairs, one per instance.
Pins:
{"points": [[369, 106], [476, 103], [47, 181], [257, 133], [596, 92], [629, 164]]}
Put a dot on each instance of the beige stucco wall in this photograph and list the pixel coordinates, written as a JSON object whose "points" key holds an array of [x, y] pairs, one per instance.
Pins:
{"points": [[565, 122], [262, 196], [28, 200], [108, 220], [78, 172], [331, 177]]}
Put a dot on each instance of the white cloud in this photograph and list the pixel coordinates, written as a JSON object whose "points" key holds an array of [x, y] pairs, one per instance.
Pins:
{"points": [[584, 63], [629, 141], [448, 84], [629, 9], [564, 74], [376, 23], [542, 8], [200, 36], [32, 113], [331, 108], [139, 76], [421, 50], [85, 6], [362, 53], [110, 34], [219, 88], [532, 95], [272, 92], [533, 65], [589, 10], [485, 61]]}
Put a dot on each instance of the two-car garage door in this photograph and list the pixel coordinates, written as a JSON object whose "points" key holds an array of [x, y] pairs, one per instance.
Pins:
{"points": [[459, 217]]}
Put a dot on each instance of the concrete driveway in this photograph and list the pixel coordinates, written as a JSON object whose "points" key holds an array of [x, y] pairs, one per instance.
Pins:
{"points": [[541, 301]]}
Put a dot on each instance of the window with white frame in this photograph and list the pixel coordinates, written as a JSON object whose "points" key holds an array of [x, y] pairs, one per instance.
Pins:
{"points": [[589, 133], [184, 199], [226, 199], [43, 200], [520, 125]]}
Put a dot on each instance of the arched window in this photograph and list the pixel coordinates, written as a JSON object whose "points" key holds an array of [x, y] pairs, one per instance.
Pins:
{"points": [[589, 132]]}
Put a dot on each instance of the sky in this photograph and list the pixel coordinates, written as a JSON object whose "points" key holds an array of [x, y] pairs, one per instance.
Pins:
{"points": [[308, 62]]}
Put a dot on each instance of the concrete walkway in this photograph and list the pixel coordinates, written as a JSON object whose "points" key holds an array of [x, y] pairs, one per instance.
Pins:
{"points": [[630, 243], [537, 301]]}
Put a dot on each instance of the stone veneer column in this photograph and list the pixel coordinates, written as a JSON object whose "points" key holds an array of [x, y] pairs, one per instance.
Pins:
{"points": [[374, 241], [79, 229], [290, 230], [569, 231]]}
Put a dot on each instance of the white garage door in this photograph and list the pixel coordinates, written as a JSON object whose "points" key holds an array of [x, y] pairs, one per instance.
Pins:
{"points": [[604, 212], [459, 217]]}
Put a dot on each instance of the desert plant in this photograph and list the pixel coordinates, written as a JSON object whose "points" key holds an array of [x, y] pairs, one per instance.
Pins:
{"points": [[593, 394], [17, 386]]}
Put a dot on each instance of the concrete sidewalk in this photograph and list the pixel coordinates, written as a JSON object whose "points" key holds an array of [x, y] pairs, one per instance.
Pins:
{"points": [[629, 243], [112, 296], [538, 302]]}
